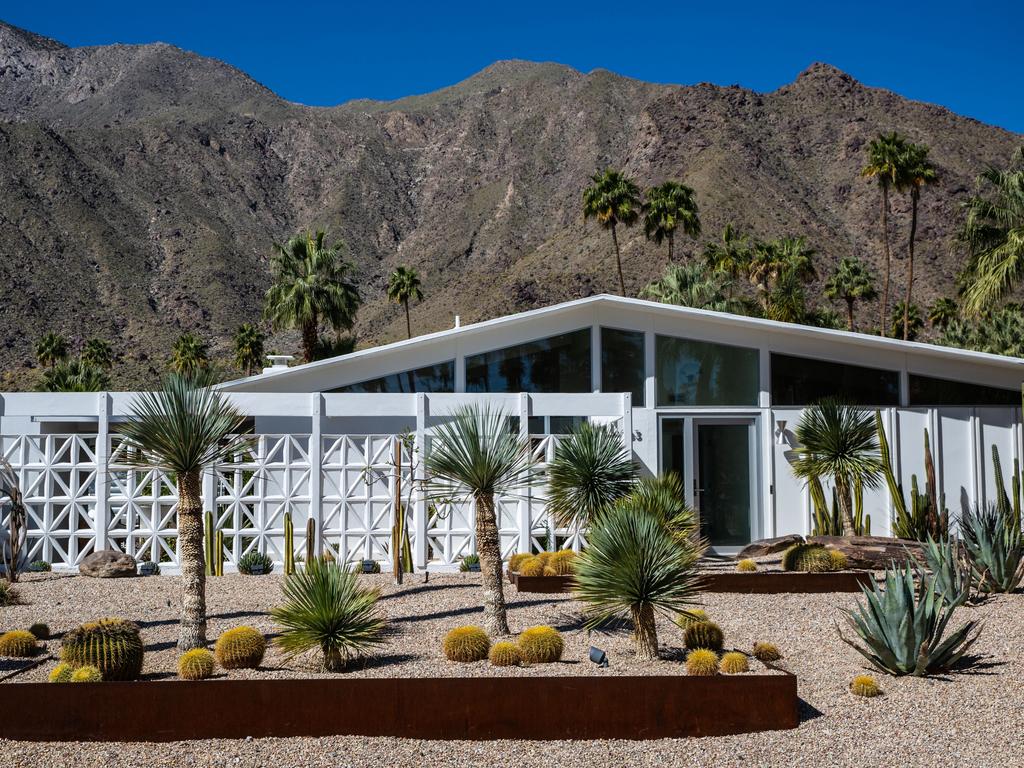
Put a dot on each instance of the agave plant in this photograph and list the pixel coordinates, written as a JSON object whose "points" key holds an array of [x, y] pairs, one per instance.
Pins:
{"points": [[326, 607], [590, 470], [952, 572], [995, 546], [635, 566], [902, 630]]}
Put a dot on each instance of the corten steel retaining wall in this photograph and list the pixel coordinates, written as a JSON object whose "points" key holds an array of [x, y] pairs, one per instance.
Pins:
{"points": [[463, 708], [768, 583]]}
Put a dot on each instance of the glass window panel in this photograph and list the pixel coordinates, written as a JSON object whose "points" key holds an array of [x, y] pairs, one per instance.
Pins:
{"points": [[702, 373], [925, 390], [803, 381], [622, 363], [555, 364], [430, 378]]}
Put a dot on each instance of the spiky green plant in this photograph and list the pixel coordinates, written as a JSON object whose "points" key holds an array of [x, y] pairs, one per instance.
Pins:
{"points": [[541, 645], [255, 562], [505, 654], [735, 663], [475, 457], [196, 664], [704, 634], [634, 565], [865, 685], [18, 643], [590, 470], [902, 628], [466, 564], [87, 674], [810, 558], [702, 663], [112, 645], [663, 498], [927, 514], [8, 594], [951, 571], [240, 648], [466, 644], [996, 547]]}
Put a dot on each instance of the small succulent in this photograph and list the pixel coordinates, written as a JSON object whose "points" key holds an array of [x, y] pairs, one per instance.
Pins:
{"points": [[40, 566], [505, 654], [40, 631], [541, 645], [87, 674], [62, 673], [735, 663], [865, 685], [255, 563], [704, 634], [517, 560], [691, 616], [466, 644], [18, 643], [196, 664], [747, 565], [470, 563], [702, 663], [766, 652], [240, 648]]}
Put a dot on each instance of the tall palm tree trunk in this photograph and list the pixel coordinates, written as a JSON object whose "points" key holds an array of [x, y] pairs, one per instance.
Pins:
{"points": [[618, 261], [645, 633], [671, 247], [845, 506], [884, 311], [308, 341], [849, 314], [192, 630], [910, 263], [408, 322], [488, 547]]}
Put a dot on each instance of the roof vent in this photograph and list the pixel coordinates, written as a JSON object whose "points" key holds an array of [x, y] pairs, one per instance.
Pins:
{"points": [[278, 362]]}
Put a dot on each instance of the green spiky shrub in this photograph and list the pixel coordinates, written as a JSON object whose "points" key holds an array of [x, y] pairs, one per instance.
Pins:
{"points": [[87, 674], [541, 645], [254, 561], [18, 643], [467, 563], [327, 607], [196, 664], [466, 644], [112, 645], [240, 648], [61, 673], [865, 685], [810, 558], [996, 548], [505, 654], [747, 565], [702, 663], [704, 634], [40, 566], [40, 631], [902, 628], [735, 663], [951, 572]]}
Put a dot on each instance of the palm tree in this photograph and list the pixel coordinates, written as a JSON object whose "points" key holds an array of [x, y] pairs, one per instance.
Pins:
{"points": [[248, 341], [404, 286], [730, 256], [98, 353], [884, 165], [590, 470], [51, 349], [852, 281], [839, 441], [787, 259], [613, 199], [993, 232], [181, 430], [189, 355], [74, 375], [906, 320], [310, 288], [917, 172], [670, 206], [690, 285], [475, 456], [942, 312]]}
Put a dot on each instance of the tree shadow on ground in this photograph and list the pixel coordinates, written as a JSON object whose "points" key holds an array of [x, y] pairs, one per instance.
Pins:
{"points": [[229, 615], [403, 592], [464, 611]]}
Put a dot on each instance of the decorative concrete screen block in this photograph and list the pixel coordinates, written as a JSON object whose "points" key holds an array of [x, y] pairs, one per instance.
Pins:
{"points": [[143, 509]]}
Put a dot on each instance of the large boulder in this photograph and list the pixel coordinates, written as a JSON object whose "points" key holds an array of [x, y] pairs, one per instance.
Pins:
{"points": [[871, 552], [107, 564], [764, 547]]}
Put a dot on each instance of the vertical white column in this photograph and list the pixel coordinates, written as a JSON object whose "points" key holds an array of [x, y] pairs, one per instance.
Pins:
{"points": [[595, 358], [627, 422], [102, 519], [650, 389], [419, 515], [316, 469], [525, 503]]}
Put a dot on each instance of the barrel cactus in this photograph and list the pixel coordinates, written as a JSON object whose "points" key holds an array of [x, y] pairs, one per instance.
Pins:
{"points": [[196, 664], [466, 644], [87, 674], [240, 648], [61, 673], [517, 560], [531, 566], [812, 558], [840, 562], [541, 645], [747, 565], [112, 645], [864, 685], [505, 654], [562, 562], [766, 652], [704, 634], [40, 631], [734, 663], [692, 616], [18, 642], [702, 663]]}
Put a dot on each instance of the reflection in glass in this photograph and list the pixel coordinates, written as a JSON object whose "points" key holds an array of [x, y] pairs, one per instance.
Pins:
{"points": [[430, 378], [803, 381], [622, 363], [703, 373], [555, 364]]}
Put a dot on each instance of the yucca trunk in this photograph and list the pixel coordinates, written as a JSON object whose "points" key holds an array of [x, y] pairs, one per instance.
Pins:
{"points": [[845, 506], [488, 547], [910, 264], [645, 633], [334, 660], [618, 261], [192, 630], [888, 261]]}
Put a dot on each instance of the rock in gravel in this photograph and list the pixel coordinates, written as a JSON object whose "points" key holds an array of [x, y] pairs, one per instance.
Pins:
{"points": [[107, 564], [764, 547], [871, 552]]}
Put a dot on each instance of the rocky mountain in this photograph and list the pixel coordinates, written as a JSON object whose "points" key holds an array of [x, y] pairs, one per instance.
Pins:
{"points": [[142, 187]]}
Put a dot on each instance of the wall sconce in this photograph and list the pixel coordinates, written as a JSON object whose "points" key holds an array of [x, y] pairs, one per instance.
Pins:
{"points": [[780, 432], [638, 436]]}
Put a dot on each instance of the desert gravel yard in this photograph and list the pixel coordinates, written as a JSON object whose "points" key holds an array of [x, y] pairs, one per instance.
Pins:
{"points": [[970, 718]]}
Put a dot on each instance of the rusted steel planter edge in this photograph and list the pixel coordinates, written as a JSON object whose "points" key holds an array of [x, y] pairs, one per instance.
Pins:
{"points": [[608, 707], [765, 583]]}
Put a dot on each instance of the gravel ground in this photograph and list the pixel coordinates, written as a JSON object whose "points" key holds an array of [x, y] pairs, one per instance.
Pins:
{"points": [[970, 718]]}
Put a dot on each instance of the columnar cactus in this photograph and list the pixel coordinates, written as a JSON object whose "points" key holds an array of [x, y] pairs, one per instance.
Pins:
{"points": [[289, 545], [112, 645], [311, 547]]}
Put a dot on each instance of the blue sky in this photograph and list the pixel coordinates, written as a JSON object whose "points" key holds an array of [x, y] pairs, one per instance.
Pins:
{"points": [[963, 55]]}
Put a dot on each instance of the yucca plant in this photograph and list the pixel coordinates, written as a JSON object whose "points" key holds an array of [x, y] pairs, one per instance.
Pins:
{"points": [[902, 629], [590, 470], [663, 498], [325, 607], [995, 546], [475, 456], [952, 572], [635, 566]]}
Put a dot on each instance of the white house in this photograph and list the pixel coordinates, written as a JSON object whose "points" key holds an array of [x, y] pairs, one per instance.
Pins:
{"points": [[712, 396]]}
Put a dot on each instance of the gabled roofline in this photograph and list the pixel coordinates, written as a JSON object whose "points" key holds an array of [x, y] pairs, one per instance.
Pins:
{"points": [[723, 318]]}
